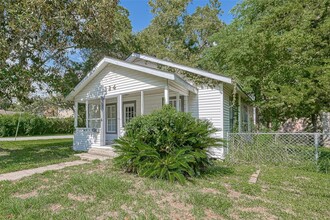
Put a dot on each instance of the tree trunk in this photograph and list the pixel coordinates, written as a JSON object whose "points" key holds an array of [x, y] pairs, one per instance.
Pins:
{"points": [[314, 122]]}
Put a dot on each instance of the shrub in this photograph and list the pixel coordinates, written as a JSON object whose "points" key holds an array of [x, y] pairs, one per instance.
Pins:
{"points": [[34, 125], [166, 144]]}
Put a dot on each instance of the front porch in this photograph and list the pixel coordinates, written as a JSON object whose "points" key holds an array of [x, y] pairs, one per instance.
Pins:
{"points": [[107, 115]]}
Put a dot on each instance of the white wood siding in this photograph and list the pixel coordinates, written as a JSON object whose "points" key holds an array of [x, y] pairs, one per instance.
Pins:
{"points": [[210, 107], [177, 88], [125, 80], [193, 104]]}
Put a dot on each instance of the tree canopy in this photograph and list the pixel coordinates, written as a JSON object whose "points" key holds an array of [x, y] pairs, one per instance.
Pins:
{"points": [[176, 35], [279, 51], [39, 39]]}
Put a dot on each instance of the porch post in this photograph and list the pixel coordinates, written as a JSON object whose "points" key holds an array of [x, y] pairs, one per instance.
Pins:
{"points": [[87, 113], [254, 116], [166, 95], [75, 114], [120, 114], [142, 103], [186, 108], [178, 102], [239, 113], [102, 112]]}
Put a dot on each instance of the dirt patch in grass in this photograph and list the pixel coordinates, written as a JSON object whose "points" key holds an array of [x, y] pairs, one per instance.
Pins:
{"points": [[55, 207], [263, 212], [264, 188], [302, 178], [154, 193], [290, 211], [209, 214], [291, 190], [80, 198], [45, 180], [34, 193], [232, 194], [99, 168], [108, 215], [129, 211], [177, 208], [210, 191]]}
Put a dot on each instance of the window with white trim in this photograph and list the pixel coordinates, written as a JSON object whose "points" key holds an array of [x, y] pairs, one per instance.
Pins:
{"points": [[112, 118], [129, 112], [94, 116], [172, 102]]}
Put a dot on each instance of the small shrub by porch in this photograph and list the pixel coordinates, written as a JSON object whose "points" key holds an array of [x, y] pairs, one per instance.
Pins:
{"points": [[166, 144]]}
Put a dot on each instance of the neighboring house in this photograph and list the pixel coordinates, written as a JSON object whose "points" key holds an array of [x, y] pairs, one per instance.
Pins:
{"points": [[4, 112], [116, 91], [56, 112]]}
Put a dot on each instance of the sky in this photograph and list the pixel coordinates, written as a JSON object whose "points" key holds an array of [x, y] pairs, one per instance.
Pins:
{"points": [[141, 16]]}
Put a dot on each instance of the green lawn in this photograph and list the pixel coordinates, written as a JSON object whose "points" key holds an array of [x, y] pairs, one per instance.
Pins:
{"points": [[19, 155], [40, 135], [100, 191]]}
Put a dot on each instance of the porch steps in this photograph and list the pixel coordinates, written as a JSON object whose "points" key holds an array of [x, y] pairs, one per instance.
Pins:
{"points": [[91, 157], [95, 153], [107, 152]]}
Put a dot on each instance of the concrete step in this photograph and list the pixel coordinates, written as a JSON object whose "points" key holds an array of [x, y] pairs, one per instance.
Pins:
{"points": [[91, 157], [107, 152]]}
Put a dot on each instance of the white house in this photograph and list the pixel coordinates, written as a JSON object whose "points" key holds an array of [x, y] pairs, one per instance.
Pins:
{"points": [[115, 91]]}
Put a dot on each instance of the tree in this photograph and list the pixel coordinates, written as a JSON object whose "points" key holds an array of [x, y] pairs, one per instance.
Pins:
{"points": [[121, 44], [39, 39], [279, 50], [176, 35]]}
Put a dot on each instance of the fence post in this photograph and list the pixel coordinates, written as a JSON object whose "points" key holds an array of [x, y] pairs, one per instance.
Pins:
{"points": [[316, 144]]}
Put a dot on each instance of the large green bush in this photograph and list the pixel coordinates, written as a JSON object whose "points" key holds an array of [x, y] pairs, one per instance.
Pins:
{"points": [[34, 125], [166, 144]]}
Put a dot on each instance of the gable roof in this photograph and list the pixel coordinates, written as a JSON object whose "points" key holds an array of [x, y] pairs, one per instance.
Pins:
{"points": [[228, 80], [200, 72], [108, 60]]}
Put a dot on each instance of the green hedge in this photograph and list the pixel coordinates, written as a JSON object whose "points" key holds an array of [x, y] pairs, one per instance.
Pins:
{"points": [[34, 125]]}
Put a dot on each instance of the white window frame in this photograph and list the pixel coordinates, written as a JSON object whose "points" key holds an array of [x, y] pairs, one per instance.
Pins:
{"points": [[130, 104], [172, 102], [95, 118]]}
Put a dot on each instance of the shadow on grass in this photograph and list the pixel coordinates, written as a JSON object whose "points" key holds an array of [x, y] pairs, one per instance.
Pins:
{"points": [[219, 169], [29, 154]]}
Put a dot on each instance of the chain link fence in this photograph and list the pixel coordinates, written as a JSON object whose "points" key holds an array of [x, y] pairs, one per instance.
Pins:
{"points": [[296, 149]]}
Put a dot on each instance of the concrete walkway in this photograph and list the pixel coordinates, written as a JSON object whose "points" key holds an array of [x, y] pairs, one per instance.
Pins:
{"points": [[24, 173], [36, 138], [85, 158]]}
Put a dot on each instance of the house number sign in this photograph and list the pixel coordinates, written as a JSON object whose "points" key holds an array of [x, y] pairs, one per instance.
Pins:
{"points": [[112, 87]]}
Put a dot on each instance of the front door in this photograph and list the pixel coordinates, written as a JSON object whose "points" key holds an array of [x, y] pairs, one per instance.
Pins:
{"points": [[111, 118], [129, 112]]}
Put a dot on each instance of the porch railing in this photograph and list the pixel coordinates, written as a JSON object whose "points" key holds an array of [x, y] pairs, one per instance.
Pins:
{"points": [[85, 138]]}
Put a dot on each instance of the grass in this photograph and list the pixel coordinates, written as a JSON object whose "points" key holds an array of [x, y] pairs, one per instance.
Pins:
{"points": [[39, 135], [19, 155], [100, 191]]}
